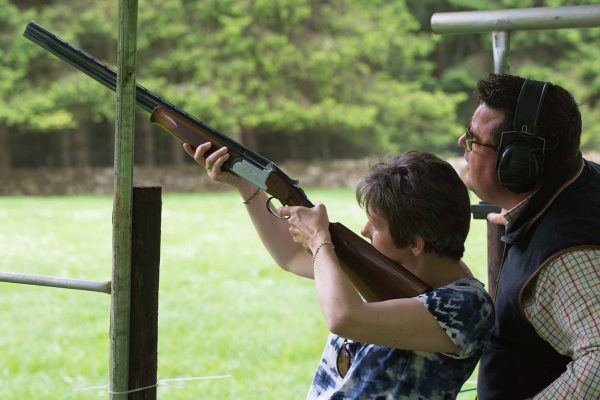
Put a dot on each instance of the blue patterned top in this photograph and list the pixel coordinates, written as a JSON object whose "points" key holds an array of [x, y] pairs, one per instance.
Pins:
{"points": [[466, 313]]}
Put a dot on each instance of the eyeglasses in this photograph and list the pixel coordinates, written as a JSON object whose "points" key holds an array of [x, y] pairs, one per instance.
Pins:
{"points": [[469, 142], [344, 358]]}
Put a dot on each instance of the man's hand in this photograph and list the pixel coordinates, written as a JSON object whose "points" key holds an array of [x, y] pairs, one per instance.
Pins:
{"points": [[497, 218]]}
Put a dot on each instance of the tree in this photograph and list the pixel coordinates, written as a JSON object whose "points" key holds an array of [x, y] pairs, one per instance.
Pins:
{"points": [[44, 96], [12, 69], [309, 68], [293, 78]]}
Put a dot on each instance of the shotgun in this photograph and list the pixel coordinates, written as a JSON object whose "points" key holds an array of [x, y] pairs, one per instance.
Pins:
{"points": [[374, 276]]}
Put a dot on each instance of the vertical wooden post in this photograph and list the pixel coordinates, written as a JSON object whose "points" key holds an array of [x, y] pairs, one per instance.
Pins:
{"points": [[145, 263], [124, 125], [5, 155], [495, 247]]}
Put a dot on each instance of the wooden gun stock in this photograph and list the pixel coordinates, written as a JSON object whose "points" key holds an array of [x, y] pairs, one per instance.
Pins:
{"points": [[375, 277]]}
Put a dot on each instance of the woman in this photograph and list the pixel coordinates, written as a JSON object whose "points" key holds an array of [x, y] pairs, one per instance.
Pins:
{"points": [[418, 215]]}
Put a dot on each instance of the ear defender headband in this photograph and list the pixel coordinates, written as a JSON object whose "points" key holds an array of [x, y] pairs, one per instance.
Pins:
{"points": [[521, 152]]}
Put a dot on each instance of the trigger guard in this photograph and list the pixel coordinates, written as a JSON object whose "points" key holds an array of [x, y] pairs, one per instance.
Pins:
{"points": [[272, 212]]}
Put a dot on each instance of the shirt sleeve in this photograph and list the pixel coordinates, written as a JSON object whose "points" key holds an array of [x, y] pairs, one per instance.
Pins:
{"points": [[564, 309], [465, 312]]}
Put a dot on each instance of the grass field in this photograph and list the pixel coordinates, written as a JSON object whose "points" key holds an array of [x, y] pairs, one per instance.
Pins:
{"points": [[225, 309]]}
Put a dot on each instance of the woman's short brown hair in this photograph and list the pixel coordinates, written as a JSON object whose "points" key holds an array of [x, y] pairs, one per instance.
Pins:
{"points": [[419, 194]]}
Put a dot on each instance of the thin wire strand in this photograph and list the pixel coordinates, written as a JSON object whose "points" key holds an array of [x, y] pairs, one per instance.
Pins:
{"points": [[160, 383]]}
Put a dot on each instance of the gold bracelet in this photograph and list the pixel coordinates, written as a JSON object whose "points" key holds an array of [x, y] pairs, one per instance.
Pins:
{"points": [[251, 199], [319, 248]]}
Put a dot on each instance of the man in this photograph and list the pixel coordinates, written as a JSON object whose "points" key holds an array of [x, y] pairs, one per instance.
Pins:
{"points": [[522, 152]]}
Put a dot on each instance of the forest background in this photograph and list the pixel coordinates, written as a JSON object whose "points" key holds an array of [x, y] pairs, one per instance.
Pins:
{"points": [[295, 80]]}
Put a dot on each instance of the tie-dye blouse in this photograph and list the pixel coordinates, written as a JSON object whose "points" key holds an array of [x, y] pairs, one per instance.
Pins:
{"points": [[466, 313]]}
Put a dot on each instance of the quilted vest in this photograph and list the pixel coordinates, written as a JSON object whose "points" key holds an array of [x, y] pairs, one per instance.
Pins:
{"points": [[563, 215]]}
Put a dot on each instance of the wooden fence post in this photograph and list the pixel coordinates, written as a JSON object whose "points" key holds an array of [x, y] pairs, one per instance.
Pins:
{"points": [[145, 266], [122, 205]]}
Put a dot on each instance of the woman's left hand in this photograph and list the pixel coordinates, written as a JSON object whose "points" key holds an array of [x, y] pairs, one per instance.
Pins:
{"points": [[308, 226]]}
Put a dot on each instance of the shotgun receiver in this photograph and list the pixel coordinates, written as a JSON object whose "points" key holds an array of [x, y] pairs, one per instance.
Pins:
{"points": [[374, 276]]}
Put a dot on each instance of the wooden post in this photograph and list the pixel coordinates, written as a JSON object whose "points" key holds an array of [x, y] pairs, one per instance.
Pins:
{"points": [[145, 263], [124, 126], [495, 246], [495, 254], [5, 161]]}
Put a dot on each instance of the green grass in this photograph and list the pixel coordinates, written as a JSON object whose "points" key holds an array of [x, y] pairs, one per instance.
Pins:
{"points": [[225, 309]]}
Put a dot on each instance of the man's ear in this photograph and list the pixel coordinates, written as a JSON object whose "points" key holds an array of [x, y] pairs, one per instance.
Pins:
{"points": [[418, 246]]}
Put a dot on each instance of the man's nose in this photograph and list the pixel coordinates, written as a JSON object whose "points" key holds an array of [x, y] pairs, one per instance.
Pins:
{"points": [[462, 140]]}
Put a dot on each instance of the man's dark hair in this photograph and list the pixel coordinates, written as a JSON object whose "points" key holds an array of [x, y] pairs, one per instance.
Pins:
{"points": [[419, 195], [560, 119]]}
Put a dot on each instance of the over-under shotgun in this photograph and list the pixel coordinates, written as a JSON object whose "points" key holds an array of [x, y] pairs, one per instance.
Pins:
{"points": [[374, 276]]}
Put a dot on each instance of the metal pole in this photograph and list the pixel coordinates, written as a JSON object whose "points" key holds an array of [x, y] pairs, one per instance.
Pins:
{"points": [[56, 281], [516, 19], [501, 52], [122, 207]]}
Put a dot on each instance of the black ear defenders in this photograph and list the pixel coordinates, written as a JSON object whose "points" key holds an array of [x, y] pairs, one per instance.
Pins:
{"points": [[521, 151]]}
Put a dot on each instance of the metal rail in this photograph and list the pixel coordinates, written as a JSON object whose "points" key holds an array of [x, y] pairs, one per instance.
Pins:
{"points": [[56, 281], [516, 19], [502, 22]]}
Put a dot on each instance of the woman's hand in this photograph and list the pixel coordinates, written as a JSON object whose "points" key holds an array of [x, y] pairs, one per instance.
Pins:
{"points": [[214, 167], [308, 226], [213, 163]]}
